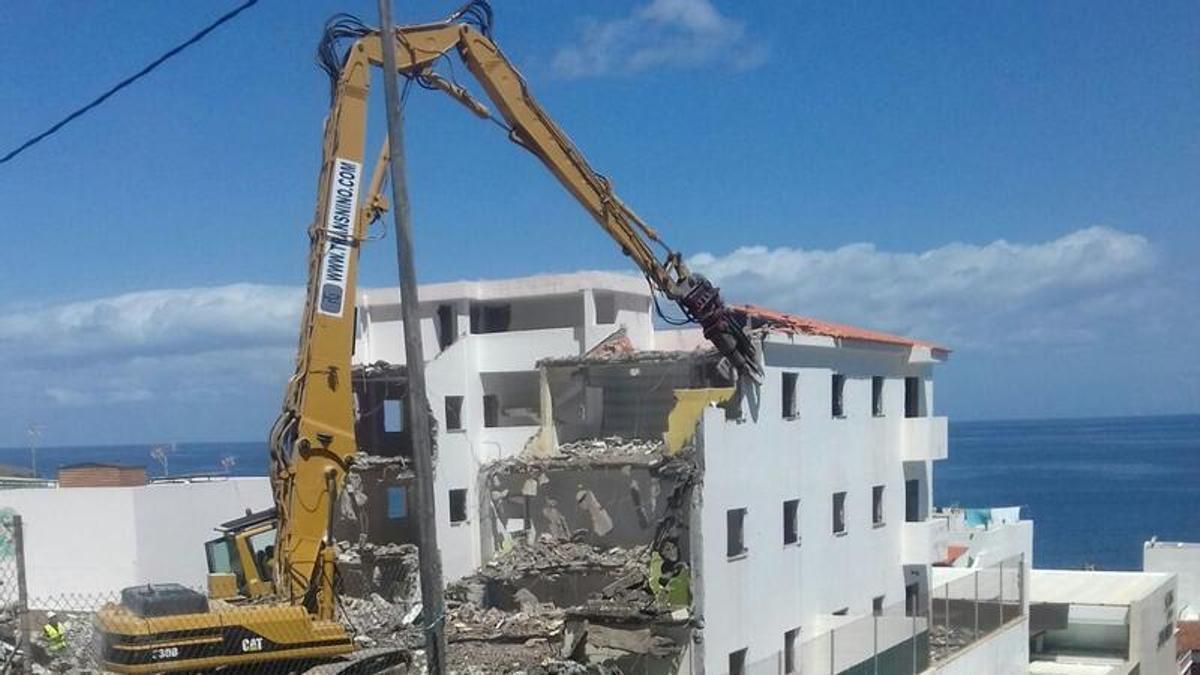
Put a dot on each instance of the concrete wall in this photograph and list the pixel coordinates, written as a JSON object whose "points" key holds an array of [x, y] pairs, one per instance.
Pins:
{"points": [[759, 462], [1182, 560], [478, 362], [1149, 618], [1003, 653], [90, 542]]}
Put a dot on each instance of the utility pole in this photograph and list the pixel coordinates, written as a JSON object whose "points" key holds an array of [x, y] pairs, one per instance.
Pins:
{"points": [[418, 406]]}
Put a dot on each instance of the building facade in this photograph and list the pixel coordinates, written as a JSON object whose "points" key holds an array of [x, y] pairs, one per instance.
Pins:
{"points": [[807, 531]]}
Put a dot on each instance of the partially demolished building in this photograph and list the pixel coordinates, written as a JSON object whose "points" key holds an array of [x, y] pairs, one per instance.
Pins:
{"points": [[608, 496]]}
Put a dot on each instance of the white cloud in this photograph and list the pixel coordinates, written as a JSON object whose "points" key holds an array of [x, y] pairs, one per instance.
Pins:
{"points": [[167, 321], [212, 362], [184, 346], [1059, 291], [663, 33]]}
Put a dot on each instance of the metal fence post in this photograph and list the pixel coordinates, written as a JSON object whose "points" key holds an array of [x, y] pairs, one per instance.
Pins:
{"points": [[875, 644], [975, 632], [946, 600], [914, 640], [832, 659], [25, 643], [1002, 617]]}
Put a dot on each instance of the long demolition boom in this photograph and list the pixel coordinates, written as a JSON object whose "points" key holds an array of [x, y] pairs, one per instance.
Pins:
{"points": [[313, 441]]}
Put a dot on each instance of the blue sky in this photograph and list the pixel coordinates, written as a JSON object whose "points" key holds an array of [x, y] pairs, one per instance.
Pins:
{"points": [[1017, 180]]}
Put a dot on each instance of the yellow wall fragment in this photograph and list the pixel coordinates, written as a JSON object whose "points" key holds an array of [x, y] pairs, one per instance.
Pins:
{"points": [[689, 405]]}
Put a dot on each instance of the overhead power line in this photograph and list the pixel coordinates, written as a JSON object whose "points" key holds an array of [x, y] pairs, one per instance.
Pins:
{"points": [[128, 81]]}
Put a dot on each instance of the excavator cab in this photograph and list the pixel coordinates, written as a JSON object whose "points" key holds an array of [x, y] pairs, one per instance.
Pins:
{"points": [[241, 561]]}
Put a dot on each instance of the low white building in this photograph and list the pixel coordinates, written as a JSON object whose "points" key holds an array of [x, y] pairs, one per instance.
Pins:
{"points": [[83, 545], [1106, 622]]}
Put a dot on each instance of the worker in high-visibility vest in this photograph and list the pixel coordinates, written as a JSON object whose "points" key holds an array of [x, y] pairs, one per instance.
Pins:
{"points": [[56, 634]]}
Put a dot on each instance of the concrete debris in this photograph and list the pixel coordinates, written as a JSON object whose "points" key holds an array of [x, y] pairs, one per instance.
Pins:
{"points": [[549, 555], [616, 344], [78, 656], [376, 622], [946, 640], [389, 570], [602, 523], [363, 461], [619, 357], [612, 449]]}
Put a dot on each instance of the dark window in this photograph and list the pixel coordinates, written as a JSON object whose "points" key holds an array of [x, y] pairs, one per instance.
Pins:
{"points": [[789, 650], [839, 387], [393, 415], [737, 662], [397, 503], [912, 397], [458, 505], [842, 612], [912, 501], [735, 535], [877, 606], [789, 395], [791, 526], [606, 307], [839, 512], [446, 330], [877, 505], [877, 396], [491, 410], [490, 318], [454, 413]]}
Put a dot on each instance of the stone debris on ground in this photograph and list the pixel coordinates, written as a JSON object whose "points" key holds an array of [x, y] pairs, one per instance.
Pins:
{"points": [[550, 555], [947, 640], [613, 447], [78, 656], [377, 622]]}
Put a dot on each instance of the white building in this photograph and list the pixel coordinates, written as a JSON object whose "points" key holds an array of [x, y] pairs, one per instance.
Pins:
{"points": [[1103, 622], [83, 545], [812, 537], [482, 342]]}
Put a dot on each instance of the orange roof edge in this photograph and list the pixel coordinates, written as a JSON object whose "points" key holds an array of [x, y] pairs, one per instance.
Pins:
{"points": [[792, 323]]}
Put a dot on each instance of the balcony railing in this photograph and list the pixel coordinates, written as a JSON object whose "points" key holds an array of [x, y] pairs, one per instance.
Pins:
{"points": [[972, 606], [909, 638]]}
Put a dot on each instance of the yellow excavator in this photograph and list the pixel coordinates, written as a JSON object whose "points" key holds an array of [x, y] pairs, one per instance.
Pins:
{"points": [[271, 585]]}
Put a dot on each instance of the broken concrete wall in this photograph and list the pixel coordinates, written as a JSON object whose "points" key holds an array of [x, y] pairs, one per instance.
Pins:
{"points": [[624, 395], [381, 425], [658, 648], [604, 504], [376, 504]]}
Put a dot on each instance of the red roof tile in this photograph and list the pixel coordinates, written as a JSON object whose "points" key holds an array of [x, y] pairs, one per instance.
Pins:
{"points": [[791, 323]]}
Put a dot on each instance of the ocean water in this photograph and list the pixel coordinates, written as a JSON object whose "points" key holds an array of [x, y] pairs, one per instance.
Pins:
{"points": [[1096, 488], [249, 459]]}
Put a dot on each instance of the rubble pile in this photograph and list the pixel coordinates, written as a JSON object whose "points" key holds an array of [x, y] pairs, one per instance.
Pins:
{"points": [[79, 655], [391, 571], [377, 622], [614, 448], [549, 555]]}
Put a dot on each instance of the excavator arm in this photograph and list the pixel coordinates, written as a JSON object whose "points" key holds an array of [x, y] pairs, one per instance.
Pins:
{"points": [[313, 441]]}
